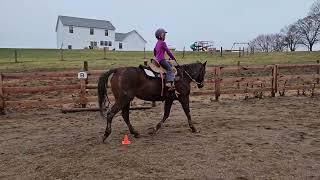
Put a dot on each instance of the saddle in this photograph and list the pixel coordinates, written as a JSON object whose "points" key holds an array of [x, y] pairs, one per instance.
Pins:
{"points": [[154, 70]]}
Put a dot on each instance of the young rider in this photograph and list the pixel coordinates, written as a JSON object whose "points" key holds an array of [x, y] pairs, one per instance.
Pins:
{"points": [[159, 52]]}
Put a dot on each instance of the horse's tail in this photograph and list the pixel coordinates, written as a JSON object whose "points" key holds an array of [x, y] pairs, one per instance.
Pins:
{"points": [[102, 89]]}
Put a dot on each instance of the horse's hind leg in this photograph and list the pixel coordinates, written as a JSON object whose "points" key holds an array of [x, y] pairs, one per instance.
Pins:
{"points": [[113, 111], [125, 115]]}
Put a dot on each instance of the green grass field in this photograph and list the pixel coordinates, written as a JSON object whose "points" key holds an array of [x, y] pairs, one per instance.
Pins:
{"points": [[49, 59]]}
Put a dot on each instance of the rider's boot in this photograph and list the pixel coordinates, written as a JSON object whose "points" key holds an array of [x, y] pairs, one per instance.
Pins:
{"points": [[170, 85]]}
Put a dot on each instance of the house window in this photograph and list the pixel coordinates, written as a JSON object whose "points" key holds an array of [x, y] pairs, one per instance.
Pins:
{"points": [[69, 46], [101, 43], [110, 43], [106, 33], [91, 31], [106, 43], [70, 29], [93, 44], [120, 45]]}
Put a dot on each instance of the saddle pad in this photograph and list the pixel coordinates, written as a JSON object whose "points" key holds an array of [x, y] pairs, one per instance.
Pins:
{"points": [[150, 73]]}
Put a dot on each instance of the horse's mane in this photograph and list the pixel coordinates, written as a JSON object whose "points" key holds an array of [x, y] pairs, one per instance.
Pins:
{"points": [[191, 66]]}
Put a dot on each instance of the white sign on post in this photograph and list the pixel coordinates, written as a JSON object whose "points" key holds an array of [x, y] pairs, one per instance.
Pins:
{"points": [[82, 75]]}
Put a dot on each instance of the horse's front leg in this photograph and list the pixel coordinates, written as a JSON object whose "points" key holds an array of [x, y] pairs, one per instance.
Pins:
{"points": [[167, 109], [184, 100]]}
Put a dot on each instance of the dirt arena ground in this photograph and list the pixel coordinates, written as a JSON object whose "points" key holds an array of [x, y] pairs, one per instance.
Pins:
{"points": [[272, 138]]}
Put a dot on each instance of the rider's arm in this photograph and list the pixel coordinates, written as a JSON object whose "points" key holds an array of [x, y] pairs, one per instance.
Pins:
{"points": [[168, 51], [154, 52]]}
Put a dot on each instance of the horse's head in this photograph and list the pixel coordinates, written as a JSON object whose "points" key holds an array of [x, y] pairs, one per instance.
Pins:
{"points": [[201, 74], [196, 72]]}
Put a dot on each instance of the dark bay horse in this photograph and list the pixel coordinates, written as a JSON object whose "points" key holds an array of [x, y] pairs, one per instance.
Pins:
{"points": [[130, 82]]}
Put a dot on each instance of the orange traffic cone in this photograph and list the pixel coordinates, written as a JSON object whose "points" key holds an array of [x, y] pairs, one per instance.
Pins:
{"points": [[126, 140]]}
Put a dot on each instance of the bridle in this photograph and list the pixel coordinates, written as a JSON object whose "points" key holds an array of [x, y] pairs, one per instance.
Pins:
{"points": [[192, 79]]}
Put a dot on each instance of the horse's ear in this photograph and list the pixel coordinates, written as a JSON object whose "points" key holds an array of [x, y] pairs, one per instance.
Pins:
{"points": [[205, 63]]}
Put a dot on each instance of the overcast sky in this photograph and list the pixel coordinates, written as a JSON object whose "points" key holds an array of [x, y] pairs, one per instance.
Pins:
{"points": [[31, 23]]}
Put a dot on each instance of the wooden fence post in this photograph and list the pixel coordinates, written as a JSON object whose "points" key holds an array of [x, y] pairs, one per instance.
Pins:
{"points": [[2, 103], [318, 72], [61, 54], [144, 53], [238, 74], [221, 52], [184, 49], [104, 53], [83, 87], [242, 51], [274, 80], [15, 56], [86, 69], [217, 82], [239, 51]]}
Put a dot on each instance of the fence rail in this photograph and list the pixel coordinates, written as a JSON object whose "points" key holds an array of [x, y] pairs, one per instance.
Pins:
{"points": [[239, 81]]}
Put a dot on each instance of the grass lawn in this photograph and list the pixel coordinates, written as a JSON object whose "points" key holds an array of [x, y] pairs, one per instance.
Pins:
{"points": [[49, 59]]}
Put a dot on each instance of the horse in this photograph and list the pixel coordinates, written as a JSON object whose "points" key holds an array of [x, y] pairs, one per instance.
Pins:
{"points": [[130, 82]]}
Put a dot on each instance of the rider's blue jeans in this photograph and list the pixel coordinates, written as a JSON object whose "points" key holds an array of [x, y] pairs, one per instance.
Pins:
{"points": [[167, 66]]}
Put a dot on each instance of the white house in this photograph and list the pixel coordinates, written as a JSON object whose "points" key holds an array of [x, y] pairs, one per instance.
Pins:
{"points": [[80, 33]]}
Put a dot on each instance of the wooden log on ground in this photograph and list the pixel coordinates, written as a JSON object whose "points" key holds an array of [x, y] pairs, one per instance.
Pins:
{"points": [[51, 102], [39, 102], [39, 75], [39, 89]]}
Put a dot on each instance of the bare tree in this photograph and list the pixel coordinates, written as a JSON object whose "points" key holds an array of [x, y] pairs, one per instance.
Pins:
{"points": [[309, 29], [291, 36], [277, 42], [268, 42], [261, 43], [315, 8]]}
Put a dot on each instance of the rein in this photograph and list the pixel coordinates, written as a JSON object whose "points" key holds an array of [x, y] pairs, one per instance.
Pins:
{"points": [[193, 80]]}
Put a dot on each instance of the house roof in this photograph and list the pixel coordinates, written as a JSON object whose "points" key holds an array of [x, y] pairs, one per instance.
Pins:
{"points": [[83, 22], [122, 36]]}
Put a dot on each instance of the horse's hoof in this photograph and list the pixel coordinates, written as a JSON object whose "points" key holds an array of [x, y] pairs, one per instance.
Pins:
{"points": [[104, 139], [106, 135], [152, 131], [194, 130], [136, 135]]}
